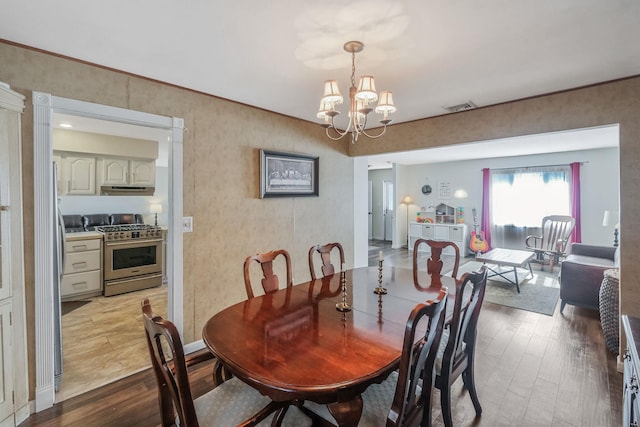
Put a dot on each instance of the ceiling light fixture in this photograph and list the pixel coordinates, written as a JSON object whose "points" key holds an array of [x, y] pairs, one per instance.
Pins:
{"points": [[359, 98]]}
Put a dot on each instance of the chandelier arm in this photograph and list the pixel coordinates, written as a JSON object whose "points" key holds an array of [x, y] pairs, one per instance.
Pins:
{"points": [[336, 138], [384, 130], [335, 129]]}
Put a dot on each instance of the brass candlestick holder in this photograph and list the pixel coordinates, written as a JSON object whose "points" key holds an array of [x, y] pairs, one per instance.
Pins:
{"points": [[343, 305], [380, 290]]}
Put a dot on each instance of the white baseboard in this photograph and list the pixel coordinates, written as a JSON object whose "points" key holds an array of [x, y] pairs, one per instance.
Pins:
{"points": [[193, 346], [23, 413]]}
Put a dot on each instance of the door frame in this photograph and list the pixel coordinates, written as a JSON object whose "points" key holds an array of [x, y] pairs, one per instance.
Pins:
{"points": [[386, 200], [44, 106]]}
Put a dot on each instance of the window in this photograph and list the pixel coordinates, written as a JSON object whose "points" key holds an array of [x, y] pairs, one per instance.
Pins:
{"points": [[523, 196]]}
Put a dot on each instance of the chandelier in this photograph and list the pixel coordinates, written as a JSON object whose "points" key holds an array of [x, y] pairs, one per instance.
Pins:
{"points": [[360, 98]]}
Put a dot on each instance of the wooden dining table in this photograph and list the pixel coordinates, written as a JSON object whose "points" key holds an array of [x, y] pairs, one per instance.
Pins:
{"points": [[294, 344]]}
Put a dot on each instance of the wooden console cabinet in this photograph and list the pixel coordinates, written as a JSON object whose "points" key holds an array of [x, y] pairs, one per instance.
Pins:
{"points": [[631, 405]]}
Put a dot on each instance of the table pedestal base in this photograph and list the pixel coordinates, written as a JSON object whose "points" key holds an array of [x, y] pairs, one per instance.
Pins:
{"points": [[347, 414]]}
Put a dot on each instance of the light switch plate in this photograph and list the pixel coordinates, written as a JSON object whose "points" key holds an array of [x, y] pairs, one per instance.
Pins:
{"points": [[187, 224]]}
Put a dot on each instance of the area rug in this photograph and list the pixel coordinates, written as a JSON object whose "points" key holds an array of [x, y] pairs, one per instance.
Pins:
{"points": [[539, 293]]}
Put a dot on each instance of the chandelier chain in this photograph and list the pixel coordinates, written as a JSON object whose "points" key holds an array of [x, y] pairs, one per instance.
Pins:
{"points": [[353, 68]]}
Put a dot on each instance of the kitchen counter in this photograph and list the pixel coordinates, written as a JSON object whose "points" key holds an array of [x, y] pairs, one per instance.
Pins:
{"points": [[83, 235]]}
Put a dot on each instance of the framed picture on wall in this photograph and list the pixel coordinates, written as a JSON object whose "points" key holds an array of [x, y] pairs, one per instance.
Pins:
{"points": [[288, 174], [444, 190]]}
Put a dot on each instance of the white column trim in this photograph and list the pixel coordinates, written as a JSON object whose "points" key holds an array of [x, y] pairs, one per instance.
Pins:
{"points": [[44, 107], [43, 249]]}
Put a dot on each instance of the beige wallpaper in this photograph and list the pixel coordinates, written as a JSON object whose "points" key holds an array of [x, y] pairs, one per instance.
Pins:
{"points": [[221, 163], [221, 178]]}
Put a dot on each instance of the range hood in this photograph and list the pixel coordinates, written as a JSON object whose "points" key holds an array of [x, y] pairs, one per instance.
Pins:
{"points": [[126, 190]]}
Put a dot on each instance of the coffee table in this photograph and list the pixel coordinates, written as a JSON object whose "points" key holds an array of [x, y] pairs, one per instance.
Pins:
{"points": [[508, 258]]}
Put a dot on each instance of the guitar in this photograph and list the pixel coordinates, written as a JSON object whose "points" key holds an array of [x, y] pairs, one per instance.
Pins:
{"points": [[477, 243]]}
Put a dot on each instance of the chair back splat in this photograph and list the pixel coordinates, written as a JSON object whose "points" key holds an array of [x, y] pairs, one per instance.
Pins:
{"points": [[412, 400], [434, 262], [457, 349], [270, 281], [325, 256]]}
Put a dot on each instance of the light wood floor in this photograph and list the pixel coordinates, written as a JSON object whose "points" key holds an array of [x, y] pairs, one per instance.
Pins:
{"points": [[531, 370], [103, 340]]}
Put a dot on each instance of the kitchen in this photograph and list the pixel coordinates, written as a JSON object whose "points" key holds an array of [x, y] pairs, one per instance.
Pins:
{"points": [[112, 185]]}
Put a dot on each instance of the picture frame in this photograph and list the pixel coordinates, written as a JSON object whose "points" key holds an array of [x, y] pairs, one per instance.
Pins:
{"points": [[288, 174], [445, 190]]}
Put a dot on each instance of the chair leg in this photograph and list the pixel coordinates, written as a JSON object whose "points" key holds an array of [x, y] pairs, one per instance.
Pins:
{"points": [[445, 404], [469, 383], [279, 416]]}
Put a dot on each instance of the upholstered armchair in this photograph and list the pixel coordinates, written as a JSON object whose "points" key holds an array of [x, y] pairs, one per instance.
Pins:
{"points": [[582, 272]]}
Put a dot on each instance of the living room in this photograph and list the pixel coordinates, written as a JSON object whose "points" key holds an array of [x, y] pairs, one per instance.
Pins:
{"points": [[599, 179]]}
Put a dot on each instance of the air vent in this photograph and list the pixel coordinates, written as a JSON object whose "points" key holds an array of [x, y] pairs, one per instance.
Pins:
{"points": [[461, 107]]}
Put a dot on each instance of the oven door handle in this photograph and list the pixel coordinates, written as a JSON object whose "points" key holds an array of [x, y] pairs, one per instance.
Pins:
{"points": [[130, 242]]}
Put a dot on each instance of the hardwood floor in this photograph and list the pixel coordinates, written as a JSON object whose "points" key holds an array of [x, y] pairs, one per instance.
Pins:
{"points": [[531, 370]]}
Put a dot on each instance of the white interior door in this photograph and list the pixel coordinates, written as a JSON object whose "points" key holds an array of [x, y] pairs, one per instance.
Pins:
{"points": [[387, 211], [370, 210]]}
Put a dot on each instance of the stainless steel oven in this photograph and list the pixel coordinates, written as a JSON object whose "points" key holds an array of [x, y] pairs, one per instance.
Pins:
{"points": [[132, 258]]}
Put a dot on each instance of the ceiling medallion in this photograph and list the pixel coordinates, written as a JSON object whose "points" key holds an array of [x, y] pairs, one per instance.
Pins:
{"points": [[359, 99]]}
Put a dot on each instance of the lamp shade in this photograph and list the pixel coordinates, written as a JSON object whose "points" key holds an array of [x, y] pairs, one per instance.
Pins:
{"points": [[331, 93], [460, 194], [155, 208], [323, 109], [407, 200], [367, 89], [385, 102], [610, 219]]}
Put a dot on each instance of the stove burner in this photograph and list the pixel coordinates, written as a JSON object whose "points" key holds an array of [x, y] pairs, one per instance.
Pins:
{"points": [[129, 231], [126, 227]]}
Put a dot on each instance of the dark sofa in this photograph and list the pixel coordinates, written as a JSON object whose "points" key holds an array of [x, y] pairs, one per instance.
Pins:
{"points": [[582, 272]]}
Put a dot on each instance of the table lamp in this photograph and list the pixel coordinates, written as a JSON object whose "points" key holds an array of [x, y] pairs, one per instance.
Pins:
{"points": [[611, 219], [155, 208]]}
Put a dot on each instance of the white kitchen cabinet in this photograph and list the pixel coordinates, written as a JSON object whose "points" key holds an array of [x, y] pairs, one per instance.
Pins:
{"points": [[114, 171], [118, 171], [83, 267], [76, 174], [456, 233], [143, 172], [6, 365], [14, 380]]}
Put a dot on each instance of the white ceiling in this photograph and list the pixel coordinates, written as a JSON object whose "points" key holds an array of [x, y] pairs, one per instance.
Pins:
{"points": [[276, 55]]}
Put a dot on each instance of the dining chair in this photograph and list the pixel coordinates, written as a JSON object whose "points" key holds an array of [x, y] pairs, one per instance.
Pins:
{"points": [[325, 256], [404, 398], [230, 403], [456, 353], [270, 281], [434, 261]]}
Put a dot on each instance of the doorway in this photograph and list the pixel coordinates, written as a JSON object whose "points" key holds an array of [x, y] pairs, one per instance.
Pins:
{"points": [[93, 328], [45, 106]]}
